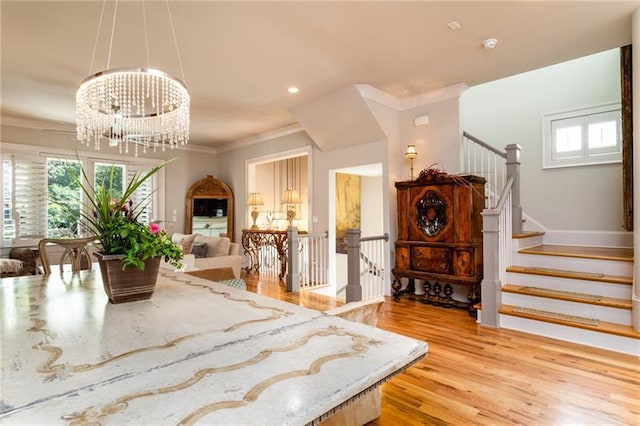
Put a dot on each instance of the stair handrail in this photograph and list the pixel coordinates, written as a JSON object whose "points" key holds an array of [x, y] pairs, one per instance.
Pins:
{"points": [[496, 167], [504, 194], [371, 265], [481, 159], [485, 145], [497, 248]]}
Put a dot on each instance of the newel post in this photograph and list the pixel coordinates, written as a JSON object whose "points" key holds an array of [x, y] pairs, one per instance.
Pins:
{"points": [[354, 289], [293, 275], [491, 286], [513, 169]]}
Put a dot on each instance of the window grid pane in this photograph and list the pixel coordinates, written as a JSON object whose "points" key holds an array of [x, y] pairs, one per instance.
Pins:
{"points": [[569, 139], [63, 216], [603, 134]]}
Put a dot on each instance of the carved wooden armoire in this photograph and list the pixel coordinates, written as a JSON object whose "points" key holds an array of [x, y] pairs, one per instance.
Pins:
{"points": [[440, 237]]}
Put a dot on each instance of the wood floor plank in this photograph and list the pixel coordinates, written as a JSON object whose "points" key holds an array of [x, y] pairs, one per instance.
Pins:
{"points": [[475, 375]]}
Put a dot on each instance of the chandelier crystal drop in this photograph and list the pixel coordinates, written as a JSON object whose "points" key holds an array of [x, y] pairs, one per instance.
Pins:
{"points": [[142, 106]]}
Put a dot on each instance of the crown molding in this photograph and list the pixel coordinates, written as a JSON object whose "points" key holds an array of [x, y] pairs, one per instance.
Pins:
{"points": [[62, 127], [390, 101], [37, 124], [262, 137]]}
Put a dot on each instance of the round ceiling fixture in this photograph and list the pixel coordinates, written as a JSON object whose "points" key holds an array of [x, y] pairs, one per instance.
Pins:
{"points": [[490, 43]]}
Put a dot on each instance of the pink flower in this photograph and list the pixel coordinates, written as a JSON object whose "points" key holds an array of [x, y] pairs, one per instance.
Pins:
{"points": [[154, 228]]}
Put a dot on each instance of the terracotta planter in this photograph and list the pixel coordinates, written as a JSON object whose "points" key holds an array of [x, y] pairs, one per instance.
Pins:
{"points": [[129, 284]]}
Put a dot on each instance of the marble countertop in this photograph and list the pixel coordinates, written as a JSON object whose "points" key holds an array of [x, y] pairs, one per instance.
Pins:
{"points": [[196, 352]]}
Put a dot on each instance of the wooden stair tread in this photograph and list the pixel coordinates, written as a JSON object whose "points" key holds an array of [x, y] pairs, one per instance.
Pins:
{"points": [[527, 234], [561, 273], [602, 253], [569, 296], [602, 326]]}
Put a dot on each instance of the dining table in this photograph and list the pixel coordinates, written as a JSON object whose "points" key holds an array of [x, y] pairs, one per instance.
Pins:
{"points": [[196, 352]]}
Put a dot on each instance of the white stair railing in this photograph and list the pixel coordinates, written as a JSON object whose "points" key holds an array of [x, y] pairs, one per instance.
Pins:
{"points": [[372, 272], [481, 159], [307, 256], [365, 266], [307, 263], [501, 220]]}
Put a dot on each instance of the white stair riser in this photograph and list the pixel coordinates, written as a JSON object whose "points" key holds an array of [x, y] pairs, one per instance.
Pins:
{"points": [[618, 291], [586, 310], [571, 334], [597, 266], [520, 243]]}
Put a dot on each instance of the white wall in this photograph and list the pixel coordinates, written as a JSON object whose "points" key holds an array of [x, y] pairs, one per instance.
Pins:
{"points": [[371, 218], [587, 198], [325, 163], [436, 142]]}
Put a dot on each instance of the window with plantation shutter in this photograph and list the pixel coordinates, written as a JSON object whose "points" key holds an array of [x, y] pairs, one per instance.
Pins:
{"points": [[24, 197], [144, 194], [29, 181], [583, 137], [8, 223]]}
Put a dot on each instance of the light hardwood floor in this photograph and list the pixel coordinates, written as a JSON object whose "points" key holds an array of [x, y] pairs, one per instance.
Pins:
{"points": [[475, 375]]}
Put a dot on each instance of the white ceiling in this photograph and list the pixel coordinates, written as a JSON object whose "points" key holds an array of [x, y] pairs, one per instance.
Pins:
{"points": [[239, 58]]}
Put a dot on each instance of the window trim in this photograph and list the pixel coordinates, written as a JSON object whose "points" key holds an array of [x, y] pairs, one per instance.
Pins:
{"points": [[548, 162]]}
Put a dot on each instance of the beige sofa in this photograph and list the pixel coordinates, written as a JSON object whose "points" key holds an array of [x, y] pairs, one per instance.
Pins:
{"points": [[211, 252]]}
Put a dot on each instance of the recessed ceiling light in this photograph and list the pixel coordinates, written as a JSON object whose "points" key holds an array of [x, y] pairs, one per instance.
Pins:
{"points": [[293, 89], [453, 25]]}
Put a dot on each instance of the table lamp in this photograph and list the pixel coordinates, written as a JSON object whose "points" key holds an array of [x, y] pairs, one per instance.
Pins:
{"points": [[290, 199], [254, 200], [411, 154]]}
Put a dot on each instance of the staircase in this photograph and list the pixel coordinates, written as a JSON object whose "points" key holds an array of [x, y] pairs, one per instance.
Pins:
{"points": [[572, 293]]}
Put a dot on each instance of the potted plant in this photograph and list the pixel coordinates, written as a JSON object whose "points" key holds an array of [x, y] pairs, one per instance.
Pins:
{"points": [[129, 252]]}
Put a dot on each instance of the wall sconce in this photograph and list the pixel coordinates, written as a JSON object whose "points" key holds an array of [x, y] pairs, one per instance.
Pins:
{"points": [[411, 154], [290, 199], [254, 200]]}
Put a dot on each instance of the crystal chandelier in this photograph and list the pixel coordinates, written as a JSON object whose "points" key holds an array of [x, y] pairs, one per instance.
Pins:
{"points": [[141, 106]]}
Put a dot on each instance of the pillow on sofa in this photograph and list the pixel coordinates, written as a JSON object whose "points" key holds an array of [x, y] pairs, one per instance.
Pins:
{"points": [[187, 243], [216, 246], [199, 249], [176, 238], [222, 248]]}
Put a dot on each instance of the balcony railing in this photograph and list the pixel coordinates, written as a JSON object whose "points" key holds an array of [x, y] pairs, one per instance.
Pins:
{"points": [[308, 259]]}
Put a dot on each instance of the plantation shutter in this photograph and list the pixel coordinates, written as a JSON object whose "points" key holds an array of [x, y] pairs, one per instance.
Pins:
{"points": [[8, 224], [144, 194], [29, 207]]}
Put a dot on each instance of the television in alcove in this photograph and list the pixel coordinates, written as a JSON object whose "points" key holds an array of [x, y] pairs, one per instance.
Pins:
{"points": [[209, 207]]}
